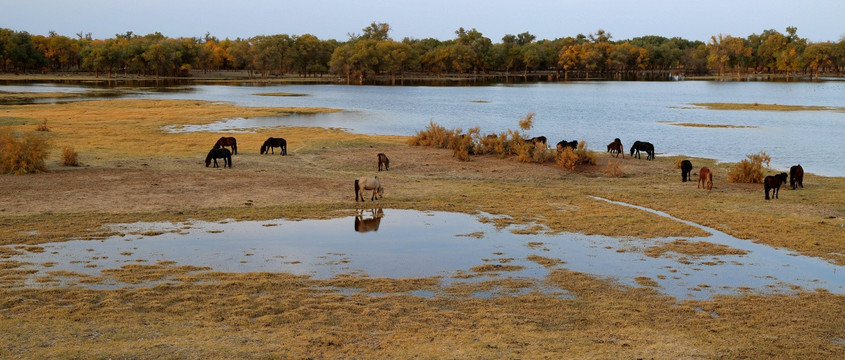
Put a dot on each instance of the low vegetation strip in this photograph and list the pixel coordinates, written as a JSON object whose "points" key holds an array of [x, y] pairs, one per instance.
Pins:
{"points": [[767, 107]]}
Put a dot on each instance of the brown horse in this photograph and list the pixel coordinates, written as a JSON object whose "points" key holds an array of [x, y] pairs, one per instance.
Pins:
{"points": [[383, 160], [773, 182], [367, 183], [616, 148], [368, 224], [796, 177], [227, 141], [272, 142], [705, 178]]}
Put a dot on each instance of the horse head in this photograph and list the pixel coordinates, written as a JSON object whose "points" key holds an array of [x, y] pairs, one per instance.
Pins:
{"points": [[264, 148]]}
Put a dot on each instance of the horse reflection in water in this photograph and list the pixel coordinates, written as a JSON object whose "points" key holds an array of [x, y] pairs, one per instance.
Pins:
{"points": [[368, 224]]}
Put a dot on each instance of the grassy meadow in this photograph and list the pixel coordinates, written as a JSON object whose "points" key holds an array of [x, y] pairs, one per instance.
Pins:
{"points": [[133, 170]]}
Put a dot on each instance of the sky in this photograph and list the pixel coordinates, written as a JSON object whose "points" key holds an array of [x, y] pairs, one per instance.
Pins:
{"points": [[816, 20]]}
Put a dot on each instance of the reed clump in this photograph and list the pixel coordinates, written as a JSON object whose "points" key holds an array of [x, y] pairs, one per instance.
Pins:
{"points": [[69, 156], [749, 170], [23, 155]]}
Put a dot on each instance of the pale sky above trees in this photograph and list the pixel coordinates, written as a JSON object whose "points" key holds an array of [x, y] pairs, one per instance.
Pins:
{"points": [[816, 20]]}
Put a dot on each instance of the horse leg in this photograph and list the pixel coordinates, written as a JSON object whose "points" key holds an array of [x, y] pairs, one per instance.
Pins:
{"points": [[766, 187]]}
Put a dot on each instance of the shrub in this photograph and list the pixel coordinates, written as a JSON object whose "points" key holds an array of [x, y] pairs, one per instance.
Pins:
{"points": [[42, 126], [433, 135], [463, 145], [527, 122], [69, 156], [23, 155], [749, 170], [613, 169], [569, 158]]}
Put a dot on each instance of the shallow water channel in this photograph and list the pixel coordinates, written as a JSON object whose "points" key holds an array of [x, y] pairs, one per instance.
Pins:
{"points": [[408, 243]]}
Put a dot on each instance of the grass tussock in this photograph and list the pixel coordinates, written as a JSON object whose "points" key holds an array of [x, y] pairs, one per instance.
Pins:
{"points": [[23, 155], [69, 156], [749, 170], [613, 169], [42, 126]]}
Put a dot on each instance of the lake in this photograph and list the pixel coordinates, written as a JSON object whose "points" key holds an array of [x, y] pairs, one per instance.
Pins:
{"points": [[596, 112]]}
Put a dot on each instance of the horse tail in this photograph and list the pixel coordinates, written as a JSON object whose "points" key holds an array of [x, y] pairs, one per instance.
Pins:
{"points": [[357, 190], [234, 146]]}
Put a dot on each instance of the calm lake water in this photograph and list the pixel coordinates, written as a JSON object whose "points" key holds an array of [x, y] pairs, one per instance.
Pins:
{"points": [[596, 112]]}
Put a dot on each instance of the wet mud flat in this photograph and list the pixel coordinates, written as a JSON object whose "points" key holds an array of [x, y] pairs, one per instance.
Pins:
{"points": [[453, 248]]}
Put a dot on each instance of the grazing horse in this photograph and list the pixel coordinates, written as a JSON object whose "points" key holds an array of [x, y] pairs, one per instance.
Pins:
{"points": [[567, 144], [643, 146], [227, 141], [616, 148], [383, 160], [705, 178], [367, 183], [796, 177], [368, 224], [537, 140], [686, 168], [219, 153], [773, 183], [272, 142]]}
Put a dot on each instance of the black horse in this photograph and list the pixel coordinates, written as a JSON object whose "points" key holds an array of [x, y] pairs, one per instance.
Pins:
{"points": [[643, 146], [219, 153], [272, 142], [773, 182], [686, 168], [796, 177], [567, 144]]}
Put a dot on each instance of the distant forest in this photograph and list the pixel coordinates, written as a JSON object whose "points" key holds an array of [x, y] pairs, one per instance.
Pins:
{"points": [[372, 54]]}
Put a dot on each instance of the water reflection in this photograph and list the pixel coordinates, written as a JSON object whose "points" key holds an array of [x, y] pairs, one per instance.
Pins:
{"points": [[367, 224], [455, 247]]}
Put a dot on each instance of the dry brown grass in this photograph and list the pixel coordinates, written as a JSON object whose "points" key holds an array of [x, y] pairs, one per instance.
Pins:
{"points": [[203, 314]]}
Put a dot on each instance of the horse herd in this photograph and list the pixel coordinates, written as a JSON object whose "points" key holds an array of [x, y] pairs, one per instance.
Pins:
{"points": [[219, 151], [705, 175]]}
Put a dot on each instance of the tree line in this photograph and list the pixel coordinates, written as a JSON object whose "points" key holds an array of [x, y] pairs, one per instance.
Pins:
{"points": [[372, 53]]}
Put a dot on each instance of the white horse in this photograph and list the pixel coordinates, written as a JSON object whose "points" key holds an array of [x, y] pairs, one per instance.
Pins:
{"points": [[366, 183]]}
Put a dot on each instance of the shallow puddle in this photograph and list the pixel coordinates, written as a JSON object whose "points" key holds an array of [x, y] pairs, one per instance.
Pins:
{"points": [[457, 247]]}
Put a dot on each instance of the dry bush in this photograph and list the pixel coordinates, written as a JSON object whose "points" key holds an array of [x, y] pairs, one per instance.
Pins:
{"points": [[749, 170], [433, 135], [613, 169], [42, 126], [463, 145], [569, 158], [527, 122], [585, 156], [23, 155], [69, 156]]}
